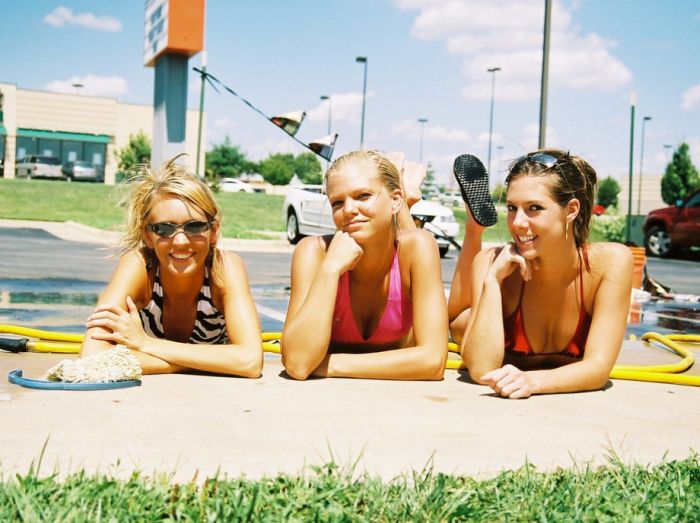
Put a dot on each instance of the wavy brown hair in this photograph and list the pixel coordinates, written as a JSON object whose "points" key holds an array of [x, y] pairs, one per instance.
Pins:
{"points": [[571, 177]]}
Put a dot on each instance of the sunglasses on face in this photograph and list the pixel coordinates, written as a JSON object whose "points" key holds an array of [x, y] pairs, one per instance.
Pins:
{"points": [[168, 230]]}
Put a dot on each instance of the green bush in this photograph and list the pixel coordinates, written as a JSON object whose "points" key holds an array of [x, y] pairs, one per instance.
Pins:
{"points": [[611, 229]]}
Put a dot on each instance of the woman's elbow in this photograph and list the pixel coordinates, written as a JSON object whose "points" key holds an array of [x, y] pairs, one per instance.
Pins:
{"points": [[434, 366], [297, 370], [252, 364]]}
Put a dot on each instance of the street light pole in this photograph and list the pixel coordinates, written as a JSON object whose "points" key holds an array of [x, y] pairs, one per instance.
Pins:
{"points": [[633, 102], [323, 99], [493, 90], [544, 83], [668, 148], [641, 163], [201, 112], [363, 60], [422, 122]]}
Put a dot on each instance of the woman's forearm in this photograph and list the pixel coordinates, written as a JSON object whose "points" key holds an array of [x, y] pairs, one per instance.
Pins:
{"points": [[412, 363], [238, 360], [482, 347], [307, 331]]}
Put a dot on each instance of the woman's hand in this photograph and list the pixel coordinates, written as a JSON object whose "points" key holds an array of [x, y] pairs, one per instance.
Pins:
{"points": [[120, 326], [507, 260], [509, 382], [343, 253]]}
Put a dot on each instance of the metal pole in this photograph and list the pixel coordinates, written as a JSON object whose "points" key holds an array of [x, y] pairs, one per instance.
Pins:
{"points": [[545, 74], [363, 60], [201, 113], [422, 122], [325, 97], [641, 163], [633, 102], [493, 90]]}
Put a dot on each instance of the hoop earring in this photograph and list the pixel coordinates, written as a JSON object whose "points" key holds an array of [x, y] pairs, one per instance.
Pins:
{"points": [[566, 232]]}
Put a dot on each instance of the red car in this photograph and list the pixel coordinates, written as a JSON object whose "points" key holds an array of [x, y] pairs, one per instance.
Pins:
{"points": [[670, 228]]}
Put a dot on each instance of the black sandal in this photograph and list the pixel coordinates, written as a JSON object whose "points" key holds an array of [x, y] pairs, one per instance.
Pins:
{"points": [[473, 182]]}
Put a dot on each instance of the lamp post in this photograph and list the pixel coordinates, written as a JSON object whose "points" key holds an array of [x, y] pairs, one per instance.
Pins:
{"points": [[325, 97], [363, 60], [78, 86], [633, 103], [544, 83], [493, 89], [201, 112], [641, 164], [668, 148], [422, 122]]}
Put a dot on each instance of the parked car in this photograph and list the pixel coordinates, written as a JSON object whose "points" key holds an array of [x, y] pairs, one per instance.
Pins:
{"points": [[81, 170], [306, 211], [670, 228], [234, 185], [37, 166], [452, 198]]}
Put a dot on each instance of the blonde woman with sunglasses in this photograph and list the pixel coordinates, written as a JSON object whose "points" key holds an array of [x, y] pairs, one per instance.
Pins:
{"points": [[546, 312], [176, 300], [367, 302]]}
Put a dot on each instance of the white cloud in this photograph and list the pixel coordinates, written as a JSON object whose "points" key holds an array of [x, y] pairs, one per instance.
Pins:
{"points": [[410, 129], [691, 98], [508, 34], [63, 16], [225, 122], [345, 107], [113, 86], [260, 151], [530, 137]]}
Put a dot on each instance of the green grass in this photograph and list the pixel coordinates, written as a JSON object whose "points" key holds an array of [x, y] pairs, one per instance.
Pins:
{"points": [[617, 492], [96, 205]]}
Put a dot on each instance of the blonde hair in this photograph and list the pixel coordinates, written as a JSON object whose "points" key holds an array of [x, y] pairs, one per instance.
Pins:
{"points": [[386, 171], [172, 180]]}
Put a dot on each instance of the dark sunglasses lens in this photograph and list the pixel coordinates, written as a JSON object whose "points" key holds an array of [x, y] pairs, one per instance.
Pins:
{"points": [[196, 227], [163, 229], [544, 159]]}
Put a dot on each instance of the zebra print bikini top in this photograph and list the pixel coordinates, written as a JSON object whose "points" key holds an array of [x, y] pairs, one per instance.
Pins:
{"points": [[209, 326]]}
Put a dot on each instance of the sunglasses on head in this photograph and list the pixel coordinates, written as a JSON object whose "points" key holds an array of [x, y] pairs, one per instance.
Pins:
{"points": [[542, 158], [167, 229]]}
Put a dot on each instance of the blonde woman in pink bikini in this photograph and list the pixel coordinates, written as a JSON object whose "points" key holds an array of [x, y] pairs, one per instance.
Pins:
{"points": [[368, 301]]}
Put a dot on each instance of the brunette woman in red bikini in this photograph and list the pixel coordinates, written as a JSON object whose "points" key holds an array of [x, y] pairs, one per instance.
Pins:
{"points": [[546, 312], [367, 302]]}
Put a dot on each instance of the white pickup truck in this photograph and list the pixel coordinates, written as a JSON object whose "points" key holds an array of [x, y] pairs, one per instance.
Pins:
{"points": [[307, 212]]}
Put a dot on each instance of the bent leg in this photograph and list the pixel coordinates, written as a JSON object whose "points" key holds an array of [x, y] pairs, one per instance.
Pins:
{"points": [[460, 299]]}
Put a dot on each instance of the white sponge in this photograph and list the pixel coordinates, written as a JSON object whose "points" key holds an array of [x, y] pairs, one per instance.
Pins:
{"points": [[116, 364]]}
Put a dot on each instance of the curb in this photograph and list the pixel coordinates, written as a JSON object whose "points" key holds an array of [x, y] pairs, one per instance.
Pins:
{"points": [[78, 232]]}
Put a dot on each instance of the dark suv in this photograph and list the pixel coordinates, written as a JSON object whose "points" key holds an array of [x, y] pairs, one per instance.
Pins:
{"points": [[667, 229]]}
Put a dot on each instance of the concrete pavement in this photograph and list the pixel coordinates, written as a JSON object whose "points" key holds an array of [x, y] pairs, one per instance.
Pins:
{"points": [[195, 425]]}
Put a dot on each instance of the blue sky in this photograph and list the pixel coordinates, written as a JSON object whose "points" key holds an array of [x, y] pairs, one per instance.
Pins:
{"points": [[426, 59]]}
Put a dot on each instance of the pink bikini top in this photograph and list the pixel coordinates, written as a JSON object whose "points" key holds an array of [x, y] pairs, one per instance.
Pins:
{"points": [[396, 320]]}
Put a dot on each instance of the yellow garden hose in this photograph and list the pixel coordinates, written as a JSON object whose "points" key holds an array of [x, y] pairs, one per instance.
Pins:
{"points": [[47, 341]]}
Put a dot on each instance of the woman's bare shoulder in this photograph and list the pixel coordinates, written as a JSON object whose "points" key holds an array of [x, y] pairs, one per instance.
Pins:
{"points": [[605, 253]]}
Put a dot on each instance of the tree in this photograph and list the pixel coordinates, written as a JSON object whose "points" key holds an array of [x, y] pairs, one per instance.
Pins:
{"points": [[308, 169], [608, 189], [136, 152], [681, 177], [498, 193], [228, 161], [277, 169]]}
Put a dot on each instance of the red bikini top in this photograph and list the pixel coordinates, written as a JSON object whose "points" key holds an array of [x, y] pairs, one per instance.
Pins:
{"points": [[516, 341]]}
